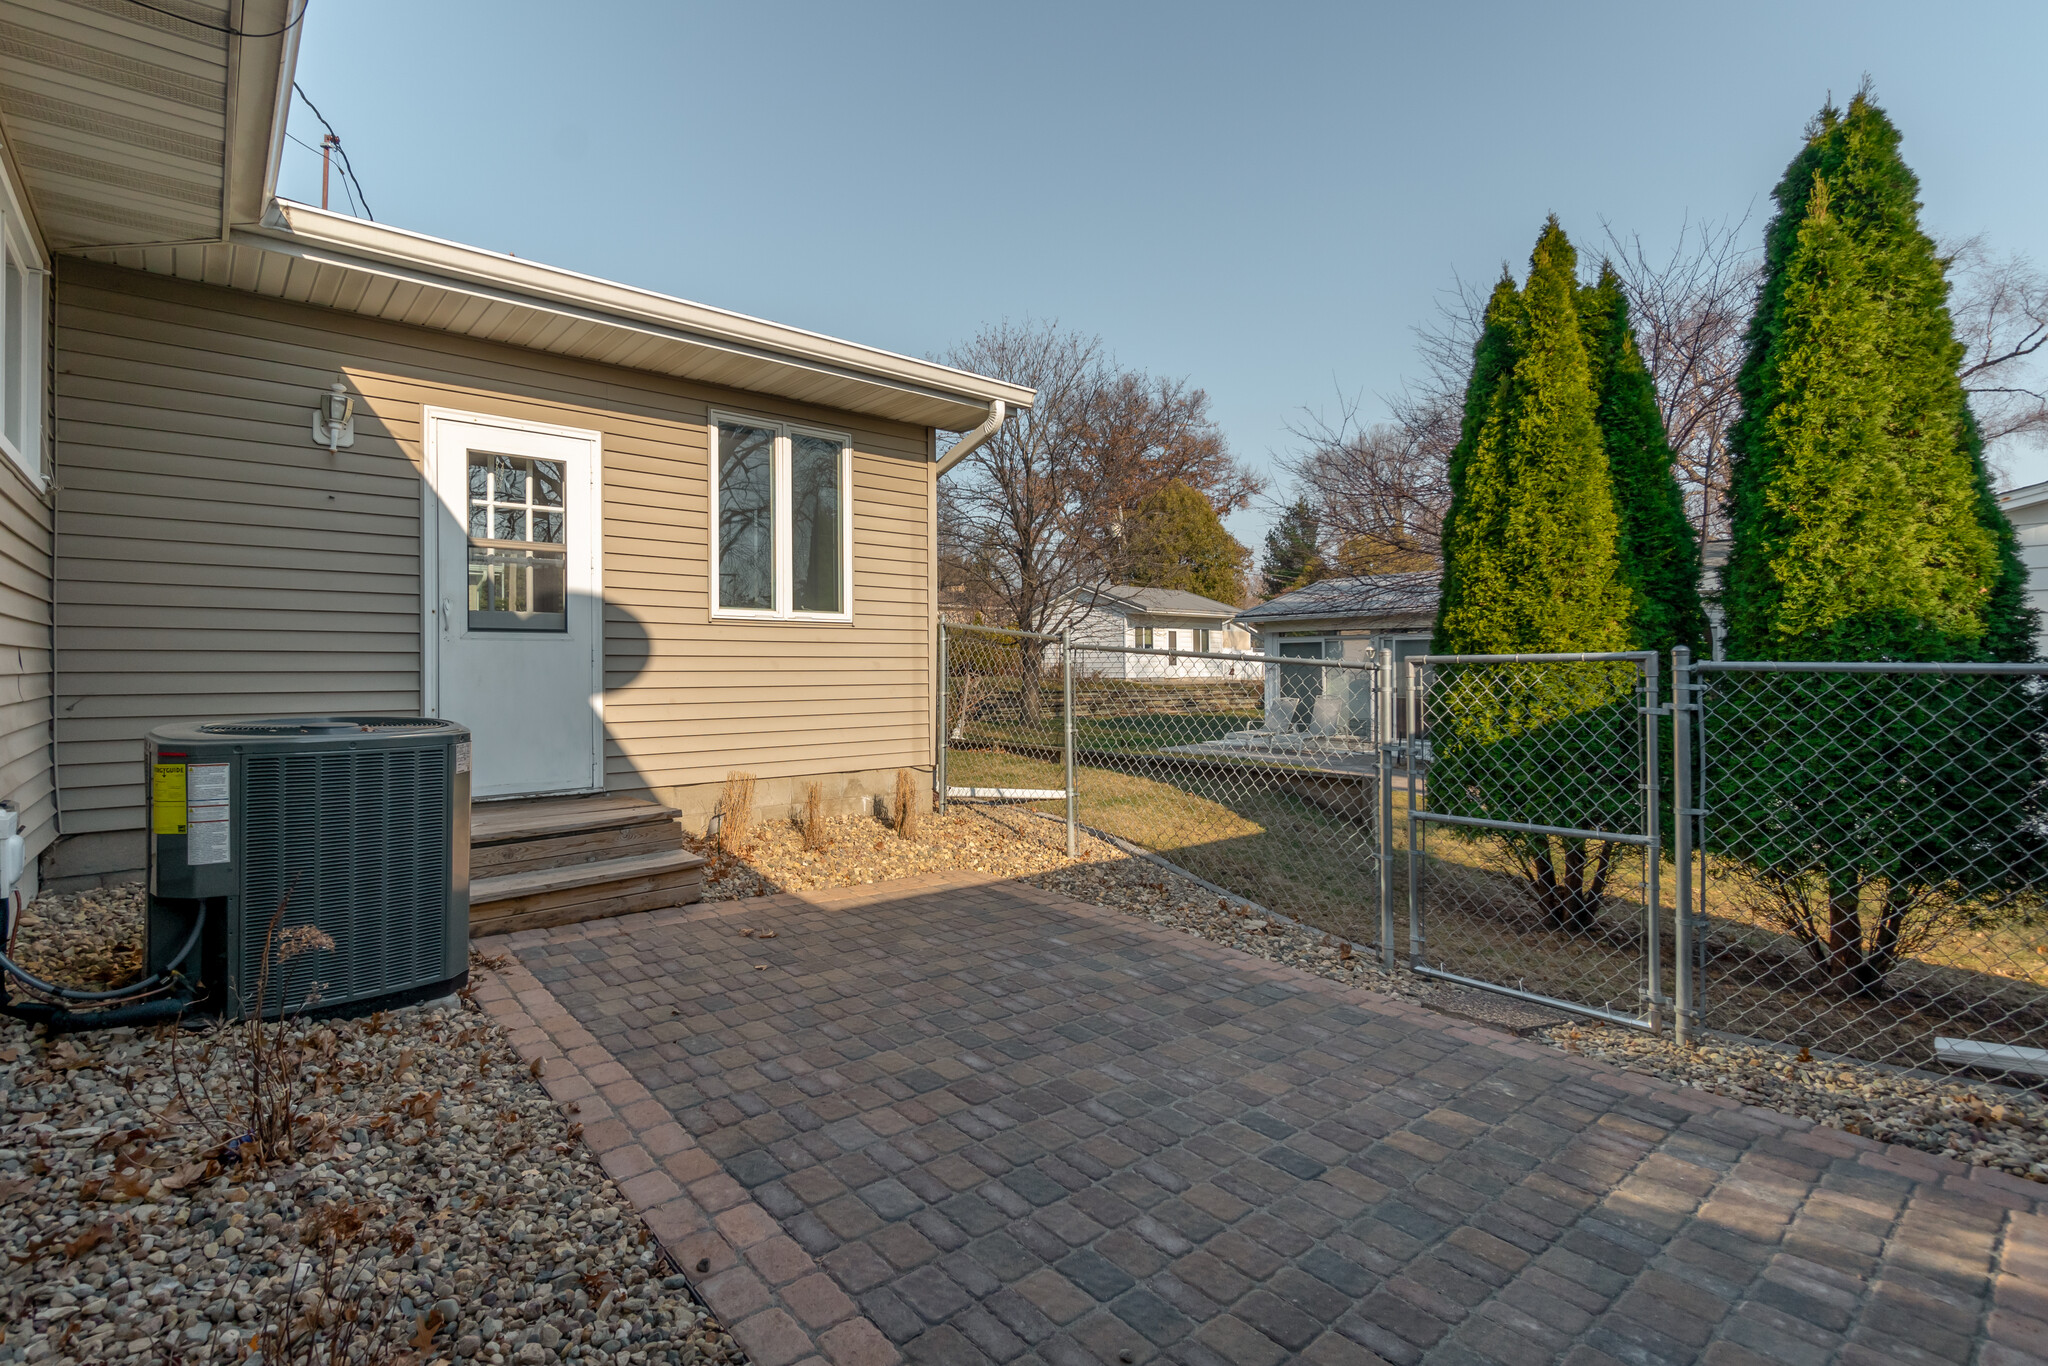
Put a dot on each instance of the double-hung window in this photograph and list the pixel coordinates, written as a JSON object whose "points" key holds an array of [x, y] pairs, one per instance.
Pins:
{"points": [[21, 340], [781, 521]]}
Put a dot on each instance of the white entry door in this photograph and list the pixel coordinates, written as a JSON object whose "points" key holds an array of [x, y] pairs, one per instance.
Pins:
{"points": [[514, 601]]}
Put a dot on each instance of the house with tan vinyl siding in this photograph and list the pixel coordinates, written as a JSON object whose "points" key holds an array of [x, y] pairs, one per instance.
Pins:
{"points": [[288, 462]]}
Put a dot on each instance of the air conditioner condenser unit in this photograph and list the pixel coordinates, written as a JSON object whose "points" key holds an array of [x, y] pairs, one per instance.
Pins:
{"points": [[356, 826]]}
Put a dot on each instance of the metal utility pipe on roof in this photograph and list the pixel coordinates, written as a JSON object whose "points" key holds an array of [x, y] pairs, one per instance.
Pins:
{"points": [[973, 441]]}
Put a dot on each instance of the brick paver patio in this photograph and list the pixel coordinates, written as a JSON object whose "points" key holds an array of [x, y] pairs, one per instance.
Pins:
{"points": [[963, 1122]]}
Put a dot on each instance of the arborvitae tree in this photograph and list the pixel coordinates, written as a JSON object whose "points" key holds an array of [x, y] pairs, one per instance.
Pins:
{"points": [[1292, 548], [1880, 813], [1530, 543], [1531, 566], [1659, 560], [1175, 540], [1863, 526]]}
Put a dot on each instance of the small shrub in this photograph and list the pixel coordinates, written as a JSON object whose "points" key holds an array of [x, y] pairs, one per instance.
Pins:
{"points": [[909, 804], [814, 816], [735, 811]]}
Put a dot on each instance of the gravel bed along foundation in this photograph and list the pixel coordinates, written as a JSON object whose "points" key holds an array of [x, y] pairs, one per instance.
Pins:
{"points": [[475, 1226]]}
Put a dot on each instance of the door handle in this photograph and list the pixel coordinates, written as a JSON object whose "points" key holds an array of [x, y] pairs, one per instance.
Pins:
{"points": [[447, 616]]}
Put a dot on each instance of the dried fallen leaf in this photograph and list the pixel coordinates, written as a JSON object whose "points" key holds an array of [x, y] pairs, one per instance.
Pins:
{"points": [[760, 967], [535, 1067], [748, 932], [1343, 953], [88, 1240], [766, 934], [429, 1325]]}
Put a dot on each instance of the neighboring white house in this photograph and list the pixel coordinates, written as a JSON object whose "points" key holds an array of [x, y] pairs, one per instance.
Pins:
{"points": [[2027, 509], [1168, 619]]}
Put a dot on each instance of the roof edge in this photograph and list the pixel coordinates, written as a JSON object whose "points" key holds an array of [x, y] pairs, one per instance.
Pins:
{"points": [[302, 225]]}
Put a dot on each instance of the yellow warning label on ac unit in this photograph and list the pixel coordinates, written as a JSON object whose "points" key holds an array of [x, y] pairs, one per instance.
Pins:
{"points": [[167, 799]]}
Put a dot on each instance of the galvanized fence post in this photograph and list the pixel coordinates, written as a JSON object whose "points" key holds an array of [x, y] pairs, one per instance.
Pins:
{"points": [[1682, 817], [1067, 738], [1385, 821], [1417, 728], [945, 733], [1653, 853]]}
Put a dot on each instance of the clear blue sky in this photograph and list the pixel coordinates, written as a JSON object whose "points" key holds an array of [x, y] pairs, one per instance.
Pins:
{"points": [[1263, 199]]}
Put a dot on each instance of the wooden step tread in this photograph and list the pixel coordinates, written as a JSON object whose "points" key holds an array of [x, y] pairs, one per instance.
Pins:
{"points": [[513, 821], [539, 881]]}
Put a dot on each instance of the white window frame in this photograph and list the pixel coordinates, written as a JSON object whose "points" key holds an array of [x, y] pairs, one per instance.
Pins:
{"points": [[26, 354], [782, 482]]}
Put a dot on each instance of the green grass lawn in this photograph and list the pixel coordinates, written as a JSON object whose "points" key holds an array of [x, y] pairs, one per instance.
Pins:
{"points": [[1267, 846]]}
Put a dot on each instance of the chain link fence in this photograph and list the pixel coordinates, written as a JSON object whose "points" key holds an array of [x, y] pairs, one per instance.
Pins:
{"points": [[1533, 846], [1846, 859], [1874, 858], [1259, 775]]}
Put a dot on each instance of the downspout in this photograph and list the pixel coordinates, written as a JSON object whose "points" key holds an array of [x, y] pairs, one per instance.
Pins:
{"points": [[973, 441]]}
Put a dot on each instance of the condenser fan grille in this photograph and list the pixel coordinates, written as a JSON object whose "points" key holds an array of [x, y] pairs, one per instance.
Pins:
{"points": [[355, 842]]}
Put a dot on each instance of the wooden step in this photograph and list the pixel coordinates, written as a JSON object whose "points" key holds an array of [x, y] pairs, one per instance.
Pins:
{"points": [[565, 850], [538, 897], [513, 821]]}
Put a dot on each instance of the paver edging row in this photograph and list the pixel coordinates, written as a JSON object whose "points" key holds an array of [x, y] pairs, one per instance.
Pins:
{"points": [[779, 1305]]}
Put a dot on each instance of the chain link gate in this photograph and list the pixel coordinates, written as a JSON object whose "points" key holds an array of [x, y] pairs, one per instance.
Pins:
{"points": [[1534, 830], [1872, 875], [1258, 774]]}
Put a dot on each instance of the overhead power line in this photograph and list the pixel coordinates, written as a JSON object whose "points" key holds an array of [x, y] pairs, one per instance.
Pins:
{"points": [[228, 29], [346, 169]]}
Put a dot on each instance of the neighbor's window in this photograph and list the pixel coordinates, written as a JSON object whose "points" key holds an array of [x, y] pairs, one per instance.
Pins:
{"points": [[1143, 636], [781, 510], [21, 341], [518, 551], [1202, 642]]}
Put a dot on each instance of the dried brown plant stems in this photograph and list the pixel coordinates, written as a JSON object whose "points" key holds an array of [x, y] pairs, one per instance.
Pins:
{"points": [[814, 816], [735, 811], [908, 805], [261, 1122]]}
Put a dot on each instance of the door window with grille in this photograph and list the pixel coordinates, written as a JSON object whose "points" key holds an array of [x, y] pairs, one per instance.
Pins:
{"points": [[517, 544]]}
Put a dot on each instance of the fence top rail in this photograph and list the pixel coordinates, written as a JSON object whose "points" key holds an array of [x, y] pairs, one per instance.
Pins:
{"points": [[996, 631], [1416, 817], [1248, 657], [1828, 666], [1648, 657]]}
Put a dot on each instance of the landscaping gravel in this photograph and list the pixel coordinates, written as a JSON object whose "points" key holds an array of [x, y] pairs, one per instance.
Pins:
{"points": [[487, 1232], [1983, 1125]]}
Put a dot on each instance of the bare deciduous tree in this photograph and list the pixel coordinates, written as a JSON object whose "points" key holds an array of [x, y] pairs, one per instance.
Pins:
{"points": [[1691, 313], [1033, 513], [1009, 518], [2000, 307], [1381, 490]]}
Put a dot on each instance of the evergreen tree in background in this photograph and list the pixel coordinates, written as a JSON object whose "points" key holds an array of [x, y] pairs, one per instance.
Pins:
{"points": [[1293, 548], [1174, 539], [1658, 559], [1530, 559], [1882, 813], [1863, 523]]}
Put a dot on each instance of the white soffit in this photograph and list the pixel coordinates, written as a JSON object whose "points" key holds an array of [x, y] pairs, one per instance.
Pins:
{"points": [[134, 125], [311, 256]]}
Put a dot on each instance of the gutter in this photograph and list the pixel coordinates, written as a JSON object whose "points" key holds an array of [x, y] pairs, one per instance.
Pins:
{"points": [[973, 441], [327, 237]]}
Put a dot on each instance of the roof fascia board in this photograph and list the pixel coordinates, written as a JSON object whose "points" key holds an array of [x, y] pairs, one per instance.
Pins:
{"points": [[501, 276], [286, 244]]}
